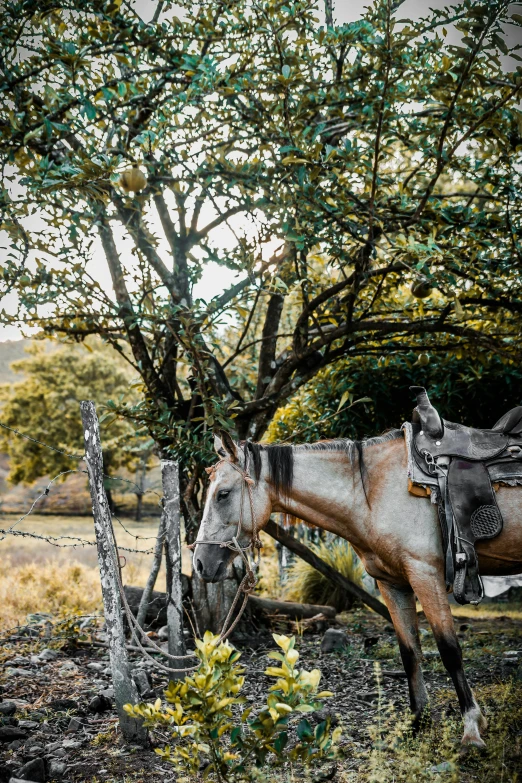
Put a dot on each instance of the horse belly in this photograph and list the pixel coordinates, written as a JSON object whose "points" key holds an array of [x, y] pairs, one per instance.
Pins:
{"points": [[503, 555]]}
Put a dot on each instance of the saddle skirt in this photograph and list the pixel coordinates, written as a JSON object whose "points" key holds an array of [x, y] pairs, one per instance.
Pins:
{"points": [[458, 466]]}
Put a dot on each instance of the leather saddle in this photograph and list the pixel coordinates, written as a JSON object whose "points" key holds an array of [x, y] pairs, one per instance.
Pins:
{"points": [[460, 458]]}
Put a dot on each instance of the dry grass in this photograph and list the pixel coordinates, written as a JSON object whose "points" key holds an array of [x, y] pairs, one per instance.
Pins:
{"points": [[488, 611], [39, 577], [307, 585], [53, 587]]}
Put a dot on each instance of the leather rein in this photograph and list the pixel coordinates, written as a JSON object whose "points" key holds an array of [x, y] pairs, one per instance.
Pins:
{"points": [[249, 581]]}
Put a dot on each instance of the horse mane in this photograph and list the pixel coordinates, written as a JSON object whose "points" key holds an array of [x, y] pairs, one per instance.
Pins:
{"points": [[281, 456]]}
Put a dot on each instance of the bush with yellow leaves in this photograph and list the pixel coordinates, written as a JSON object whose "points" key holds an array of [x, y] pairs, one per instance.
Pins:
{"points": [[206, 728]]}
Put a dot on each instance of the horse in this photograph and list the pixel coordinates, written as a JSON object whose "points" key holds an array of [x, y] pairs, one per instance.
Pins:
{"points": [[358, 490]]}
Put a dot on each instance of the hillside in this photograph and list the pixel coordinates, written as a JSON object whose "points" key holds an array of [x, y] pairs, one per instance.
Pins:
{"points": [[10, 351]]}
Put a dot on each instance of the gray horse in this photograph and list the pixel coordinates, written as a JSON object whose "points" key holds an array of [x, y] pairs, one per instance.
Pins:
{"points": [[396, 535]]}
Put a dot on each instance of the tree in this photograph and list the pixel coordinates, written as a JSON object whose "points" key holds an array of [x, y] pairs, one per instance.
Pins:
{"points": [[384, 161], [366, 397], [45, 406]]}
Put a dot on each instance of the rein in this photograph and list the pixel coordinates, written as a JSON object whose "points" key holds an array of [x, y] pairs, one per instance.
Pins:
{"points": [[249, 581]]}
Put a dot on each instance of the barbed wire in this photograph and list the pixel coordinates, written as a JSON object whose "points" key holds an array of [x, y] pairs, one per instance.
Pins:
{"points": [[40, 443], [43, 494], [145, 646]]}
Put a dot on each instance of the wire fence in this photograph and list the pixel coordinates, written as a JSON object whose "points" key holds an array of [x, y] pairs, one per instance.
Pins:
{"points": [[75, 540]]}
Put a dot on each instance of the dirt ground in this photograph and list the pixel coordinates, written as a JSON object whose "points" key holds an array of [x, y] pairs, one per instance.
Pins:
{"points": [[365, 676]]}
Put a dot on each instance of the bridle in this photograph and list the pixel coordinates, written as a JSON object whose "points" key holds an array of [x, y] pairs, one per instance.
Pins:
{"points": [[249, 581]]}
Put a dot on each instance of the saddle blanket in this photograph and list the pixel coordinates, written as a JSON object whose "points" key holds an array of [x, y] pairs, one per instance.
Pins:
{"points": [[508, 473]]}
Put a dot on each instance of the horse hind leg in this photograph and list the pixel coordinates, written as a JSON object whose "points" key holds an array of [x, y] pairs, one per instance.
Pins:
{"points": [[401, 603], [429, 587]]}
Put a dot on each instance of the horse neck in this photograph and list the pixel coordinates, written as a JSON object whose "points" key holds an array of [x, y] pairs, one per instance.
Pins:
{"points": [[327, 491]]}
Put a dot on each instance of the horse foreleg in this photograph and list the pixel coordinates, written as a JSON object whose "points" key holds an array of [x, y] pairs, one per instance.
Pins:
{"points": [[430, 589], [401, 603]]}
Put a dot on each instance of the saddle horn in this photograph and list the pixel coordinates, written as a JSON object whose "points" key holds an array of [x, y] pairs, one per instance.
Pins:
{"points": [[430, 420]]}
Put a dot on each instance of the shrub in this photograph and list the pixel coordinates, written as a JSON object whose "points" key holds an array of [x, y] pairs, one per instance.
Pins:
{"points": [[207, 730], [307, 585]]}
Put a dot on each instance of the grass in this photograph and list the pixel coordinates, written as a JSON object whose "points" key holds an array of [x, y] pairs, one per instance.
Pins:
{"points": [[435, 754], [488, 611], [39, 577], [307, 585]]}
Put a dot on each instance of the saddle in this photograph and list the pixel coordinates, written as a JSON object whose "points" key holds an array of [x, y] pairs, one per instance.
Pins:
{"points": [[462, 462]]}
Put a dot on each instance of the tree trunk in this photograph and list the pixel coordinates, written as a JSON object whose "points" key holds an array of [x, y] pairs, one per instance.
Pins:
{"points": [[213, 601]]}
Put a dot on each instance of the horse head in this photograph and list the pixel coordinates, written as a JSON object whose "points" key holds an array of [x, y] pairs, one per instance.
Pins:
{"points": [[237, 506]]}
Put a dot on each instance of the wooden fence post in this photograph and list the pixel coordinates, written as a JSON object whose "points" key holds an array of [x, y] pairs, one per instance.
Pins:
{"points": [[125, 691], [171, 513]]}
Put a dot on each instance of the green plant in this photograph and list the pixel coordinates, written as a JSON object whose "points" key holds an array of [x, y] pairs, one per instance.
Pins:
{"points": [[307, 585], [201, 719], [397, 756]]}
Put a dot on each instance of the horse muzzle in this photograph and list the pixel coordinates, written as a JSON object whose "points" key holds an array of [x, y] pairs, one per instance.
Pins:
{"points": [[210, 562]]}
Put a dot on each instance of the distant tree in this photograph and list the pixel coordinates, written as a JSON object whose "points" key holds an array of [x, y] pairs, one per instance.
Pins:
{"points": [[45, 405]]}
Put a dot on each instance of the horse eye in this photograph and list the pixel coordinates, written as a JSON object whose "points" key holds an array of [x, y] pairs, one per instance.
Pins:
{"points": [[223, 493]]}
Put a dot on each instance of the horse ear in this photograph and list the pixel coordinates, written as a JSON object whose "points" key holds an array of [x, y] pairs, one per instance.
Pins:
{"points": [[225, 446]]}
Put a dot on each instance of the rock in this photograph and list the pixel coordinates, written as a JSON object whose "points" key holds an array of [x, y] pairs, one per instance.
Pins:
{"points": [[5, 773], [6, 720], [70, 743], [63, 704], [51, 747], [99, 703], [143, 682], [17, 672], [321, 715], [59, 753], [33, 751], [108, 693], [57, 769], [334, 639], [34, 770], [15, 745], [28, 724], [75, 725], [157, 606], [396, 674], [97, 667], [7, 708], [48, 655], [10, 733]]}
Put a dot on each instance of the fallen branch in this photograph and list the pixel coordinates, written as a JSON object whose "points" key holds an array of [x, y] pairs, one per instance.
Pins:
{"points": [[300, 611], [306, 554]]}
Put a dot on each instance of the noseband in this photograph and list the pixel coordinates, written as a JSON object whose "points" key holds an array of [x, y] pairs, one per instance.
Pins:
{"points": [[249, 581]]}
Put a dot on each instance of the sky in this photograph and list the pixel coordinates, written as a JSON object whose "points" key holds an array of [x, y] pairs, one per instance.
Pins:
{"points": [[215, 278]]}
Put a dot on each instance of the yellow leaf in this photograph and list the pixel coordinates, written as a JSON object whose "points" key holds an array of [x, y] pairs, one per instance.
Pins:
{"points": [[282, 641], [274, 671]]}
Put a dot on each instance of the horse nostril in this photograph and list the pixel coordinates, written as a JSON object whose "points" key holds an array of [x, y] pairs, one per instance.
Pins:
{"points": [[199, 566]]}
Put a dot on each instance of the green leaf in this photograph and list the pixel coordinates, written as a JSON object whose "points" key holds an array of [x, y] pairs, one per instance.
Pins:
{"points": [[304, 730]]}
